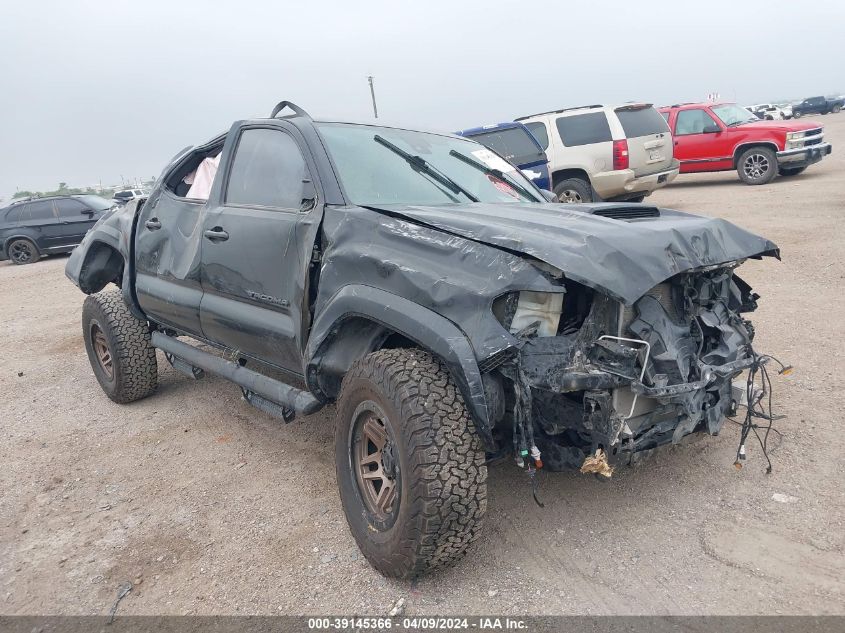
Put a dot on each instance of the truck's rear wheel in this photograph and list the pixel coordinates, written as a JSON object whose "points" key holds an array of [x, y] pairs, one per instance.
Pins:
{"points": [[410, 465], [574, 191], [757, 166], [23, 251], [119, 348]]}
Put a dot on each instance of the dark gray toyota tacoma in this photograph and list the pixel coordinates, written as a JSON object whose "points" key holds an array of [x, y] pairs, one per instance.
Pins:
{"points": [[448, 309]]}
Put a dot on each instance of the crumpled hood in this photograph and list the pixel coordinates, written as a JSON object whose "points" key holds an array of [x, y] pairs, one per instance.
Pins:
{"points": [[623, 259]]}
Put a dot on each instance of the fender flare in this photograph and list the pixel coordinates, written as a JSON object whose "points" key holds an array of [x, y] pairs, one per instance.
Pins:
{"points": [[425, 327]]}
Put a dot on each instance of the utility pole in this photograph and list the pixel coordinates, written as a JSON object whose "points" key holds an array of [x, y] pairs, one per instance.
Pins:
{"points": [[373, 94]]}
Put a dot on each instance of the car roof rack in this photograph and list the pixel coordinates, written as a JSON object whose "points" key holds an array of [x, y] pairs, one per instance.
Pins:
{"points": [[582, 107], [288, 104]]}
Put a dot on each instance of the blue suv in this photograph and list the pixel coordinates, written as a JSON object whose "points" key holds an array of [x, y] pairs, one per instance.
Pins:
{"points": [[515, 143]]}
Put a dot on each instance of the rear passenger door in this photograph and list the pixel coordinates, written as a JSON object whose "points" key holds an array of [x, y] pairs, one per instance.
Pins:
{"points": [[76, 219], [258, 236], [40, 217]]}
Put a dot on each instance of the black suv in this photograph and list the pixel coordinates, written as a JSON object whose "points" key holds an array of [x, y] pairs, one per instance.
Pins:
{"points": [[43, 226], [428, 288]]}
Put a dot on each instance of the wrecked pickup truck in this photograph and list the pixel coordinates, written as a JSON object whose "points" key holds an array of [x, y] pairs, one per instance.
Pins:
{"points": [[429, 290]]}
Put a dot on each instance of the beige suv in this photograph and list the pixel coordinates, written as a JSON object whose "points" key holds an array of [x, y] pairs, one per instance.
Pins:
{"points": [[605, 152]]}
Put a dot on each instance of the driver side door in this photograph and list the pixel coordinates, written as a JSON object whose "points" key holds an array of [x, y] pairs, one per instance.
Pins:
{"points": [[258, 235], [700, 141]]}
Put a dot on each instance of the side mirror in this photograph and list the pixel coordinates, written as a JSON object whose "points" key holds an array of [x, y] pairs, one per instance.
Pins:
{"points": [[309, 195], [712, 128], [88, 212], [549, 196]]}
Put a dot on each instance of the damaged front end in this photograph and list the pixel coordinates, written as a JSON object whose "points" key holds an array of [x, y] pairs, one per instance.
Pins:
{"points": [[597, 382]]}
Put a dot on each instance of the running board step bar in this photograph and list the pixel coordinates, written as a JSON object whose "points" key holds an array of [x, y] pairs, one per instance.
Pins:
{"points": [[270, 395]]}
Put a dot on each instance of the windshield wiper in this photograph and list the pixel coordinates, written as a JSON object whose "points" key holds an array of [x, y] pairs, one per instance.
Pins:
{"points": [[498, 173], [419, 164]]}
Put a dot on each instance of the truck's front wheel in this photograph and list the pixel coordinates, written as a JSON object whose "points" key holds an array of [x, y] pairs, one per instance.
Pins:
{"points": [[119, 348], [410, 465], [757, 166]]}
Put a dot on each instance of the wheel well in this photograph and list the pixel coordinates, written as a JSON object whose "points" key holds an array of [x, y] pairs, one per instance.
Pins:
{"points": [[563, 174], [739, 150], [350, 340], [102, 264], [20, 237]]}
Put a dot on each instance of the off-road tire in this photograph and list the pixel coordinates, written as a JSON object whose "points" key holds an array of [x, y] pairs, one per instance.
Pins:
{"points": [[574, 191], [836, 108], [791, 171], [134, 371], [441, 478], [761, 155], [29, 247]]}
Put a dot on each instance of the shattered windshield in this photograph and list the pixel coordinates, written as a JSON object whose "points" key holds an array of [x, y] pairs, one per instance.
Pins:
{"points": [[378, 165]]}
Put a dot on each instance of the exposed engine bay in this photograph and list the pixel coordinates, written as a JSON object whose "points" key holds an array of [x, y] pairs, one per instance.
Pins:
{"points": [[596, 377]]}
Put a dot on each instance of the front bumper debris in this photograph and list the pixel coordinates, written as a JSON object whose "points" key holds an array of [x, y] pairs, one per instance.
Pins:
{"points": [[665, 373]]}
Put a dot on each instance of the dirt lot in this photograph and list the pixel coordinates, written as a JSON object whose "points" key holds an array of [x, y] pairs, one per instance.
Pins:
{"points": [[212, 507]]}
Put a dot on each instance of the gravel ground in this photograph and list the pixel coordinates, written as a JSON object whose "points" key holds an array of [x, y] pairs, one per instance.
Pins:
{"points": [[211, 507]]}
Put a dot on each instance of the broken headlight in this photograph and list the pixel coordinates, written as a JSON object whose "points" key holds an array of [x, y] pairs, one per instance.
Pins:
{"points": [[518, 311]]}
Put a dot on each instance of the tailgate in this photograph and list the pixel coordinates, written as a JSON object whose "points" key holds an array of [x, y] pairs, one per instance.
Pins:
{"points": [[649, 140]]}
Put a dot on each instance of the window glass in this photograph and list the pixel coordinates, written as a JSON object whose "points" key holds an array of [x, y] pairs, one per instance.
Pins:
{"points": [[40, 210], [96, 202], [692, 122], [583, 129], [69, 208], [732, 114], [13, 215], [666, 115], [515, 145], [538, 129], [641, 122], [267, 171], [372, 173]]}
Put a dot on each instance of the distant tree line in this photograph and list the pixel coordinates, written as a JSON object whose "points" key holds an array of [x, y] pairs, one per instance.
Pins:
{"points": [[64, 190]]}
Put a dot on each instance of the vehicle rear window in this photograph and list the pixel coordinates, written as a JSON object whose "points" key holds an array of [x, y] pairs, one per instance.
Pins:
{"points": [[642, 122], [584, 129], [514, 144], [538, 129]]}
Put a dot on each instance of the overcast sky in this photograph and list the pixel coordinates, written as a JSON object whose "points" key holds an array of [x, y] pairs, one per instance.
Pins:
{"points": [[92, 91]]}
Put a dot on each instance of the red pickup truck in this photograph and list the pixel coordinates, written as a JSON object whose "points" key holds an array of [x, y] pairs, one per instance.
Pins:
{"points": [[724, 136]]}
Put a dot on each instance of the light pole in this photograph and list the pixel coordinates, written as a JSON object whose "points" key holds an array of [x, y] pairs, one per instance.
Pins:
{"points": [[373, 95]]}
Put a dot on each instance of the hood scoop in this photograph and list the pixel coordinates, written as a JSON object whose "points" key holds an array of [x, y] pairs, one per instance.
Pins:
{"points": [[632, 212]]}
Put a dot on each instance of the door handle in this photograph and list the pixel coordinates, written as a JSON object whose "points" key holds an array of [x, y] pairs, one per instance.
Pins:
{"points": [[217, 234], [153, 224]]}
